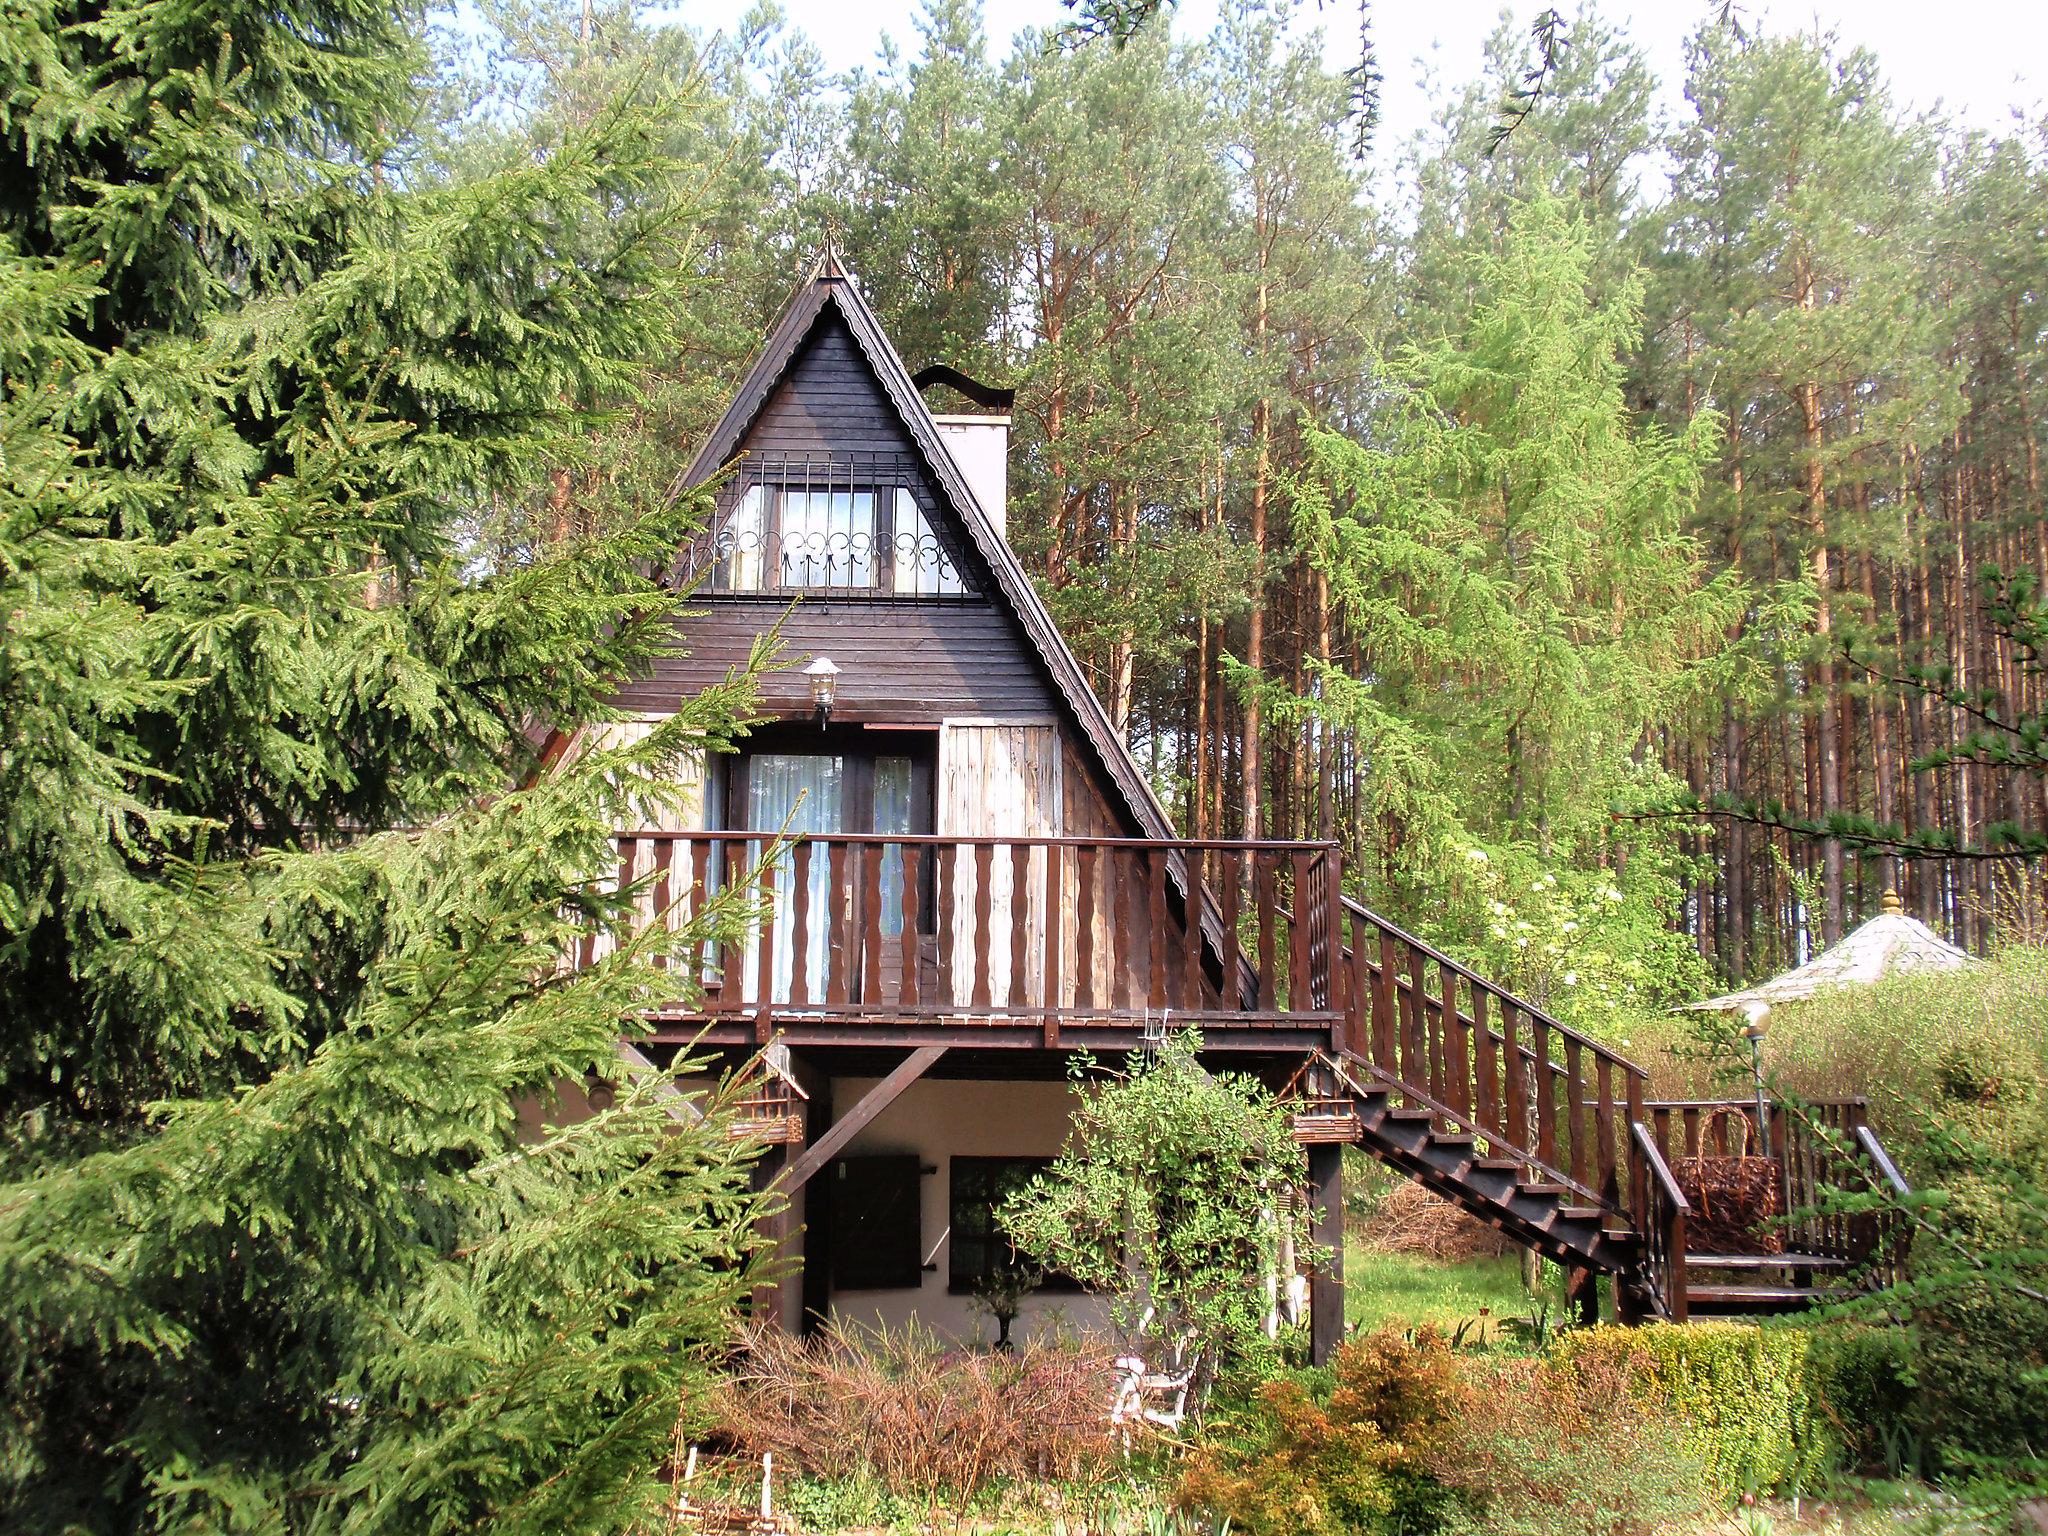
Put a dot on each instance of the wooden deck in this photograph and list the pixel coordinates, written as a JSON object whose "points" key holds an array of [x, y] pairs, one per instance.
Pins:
{"points": [[1057, 943]]}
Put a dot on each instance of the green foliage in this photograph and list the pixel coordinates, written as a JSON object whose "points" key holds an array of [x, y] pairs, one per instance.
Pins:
{"points": [[1745, 1395], [1341, 1450], [281, 911], [1861, 1378], [1170, 1196], [1512, 553], [1555, 1446]]}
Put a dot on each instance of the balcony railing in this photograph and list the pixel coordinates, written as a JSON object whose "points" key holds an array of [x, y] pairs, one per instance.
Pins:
{"points": [[994, 930]]}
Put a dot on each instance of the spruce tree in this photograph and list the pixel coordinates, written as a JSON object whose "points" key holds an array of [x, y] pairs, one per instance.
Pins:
{"points": [[283, 891]]}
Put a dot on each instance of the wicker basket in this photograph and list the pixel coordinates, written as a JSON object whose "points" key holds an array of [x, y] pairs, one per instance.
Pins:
{"points": [[1735, 1198]]}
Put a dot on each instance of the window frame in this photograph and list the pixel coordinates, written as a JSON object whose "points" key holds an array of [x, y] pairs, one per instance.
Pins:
{"points": [[958, 1284], [886, 496]]}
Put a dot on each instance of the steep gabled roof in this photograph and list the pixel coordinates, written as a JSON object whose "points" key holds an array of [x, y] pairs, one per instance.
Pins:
{"points": [[831, 289]]}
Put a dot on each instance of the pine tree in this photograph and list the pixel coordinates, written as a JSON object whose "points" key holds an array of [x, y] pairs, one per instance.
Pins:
{"points": [[279, 935]]}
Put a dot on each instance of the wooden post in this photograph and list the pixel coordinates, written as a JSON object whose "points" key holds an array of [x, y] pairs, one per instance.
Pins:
{"points": [[771, 1301], [1326, 1284], [1582, 1295]]}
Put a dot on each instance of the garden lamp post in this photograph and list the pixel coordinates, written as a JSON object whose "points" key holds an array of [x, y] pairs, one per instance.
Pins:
{"points": [[1753, 1032]]}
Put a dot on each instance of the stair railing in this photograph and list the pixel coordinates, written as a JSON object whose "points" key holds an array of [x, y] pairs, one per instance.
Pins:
{"points": [[1660, 1212], [1490, 1064]]}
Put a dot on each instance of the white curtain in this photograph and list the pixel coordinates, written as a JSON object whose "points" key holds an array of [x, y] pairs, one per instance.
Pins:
{"points": [[797, 792], [999, 779]]}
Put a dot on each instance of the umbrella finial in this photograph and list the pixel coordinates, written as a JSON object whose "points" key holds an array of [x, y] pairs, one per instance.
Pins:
{"points": [[1891, 905]]}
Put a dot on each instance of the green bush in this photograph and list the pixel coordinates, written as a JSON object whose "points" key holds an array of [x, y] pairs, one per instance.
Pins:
{"points": [[1566, 1447], [1861, 1381], [1744, 1394], [1982, 1366]]}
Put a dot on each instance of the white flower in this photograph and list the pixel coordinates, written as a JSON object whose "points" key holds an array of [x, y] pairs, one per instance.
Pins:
{"points": [[1613, 893], [1476, 855], [1500, 908], [1571, 978], [1522, 942], [1570, 926]]}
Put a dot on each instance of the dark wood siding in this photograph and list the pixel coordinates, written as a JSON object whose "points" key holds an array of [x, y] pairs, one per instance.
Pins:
{"points": [[898, 661], [829, 401]]}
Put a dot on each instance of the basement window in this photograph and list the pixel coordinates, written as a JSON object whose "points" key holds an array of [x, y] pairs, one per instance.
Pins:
{"points": [[980, 1253]]}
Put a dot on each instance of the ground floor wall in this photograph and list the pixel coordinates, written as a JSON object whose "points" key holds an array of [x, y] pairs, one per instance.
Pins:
{"points": [[944, 1123]]}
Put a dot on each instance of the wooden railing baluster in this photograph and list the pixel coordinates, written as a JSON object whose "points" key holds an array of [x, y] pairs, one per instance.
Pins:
{"points": [[1021, 909], [1575, 1106], [984, 907], [838, 962], [1266, 905], [801, 917], [1154, 866], [909, 944], [1231, 873], [1084, 929]]}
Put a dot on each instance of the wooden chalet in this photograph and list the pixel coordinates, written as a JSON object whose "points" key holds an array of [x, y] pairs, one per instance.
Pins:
{"points": [[981, 882]]}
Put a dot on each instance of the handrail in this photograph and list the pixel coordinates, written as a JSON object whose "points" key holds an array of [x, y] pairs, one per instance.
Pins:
{"points": [[1653, 1158], [976, 840], [1430, 952], [1661, 1213], [1873, 1149]]}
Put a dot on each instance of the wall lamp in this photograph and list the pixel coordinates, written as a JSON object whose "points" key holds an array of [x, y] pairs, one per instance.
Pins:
{"points": [[824, 676]]}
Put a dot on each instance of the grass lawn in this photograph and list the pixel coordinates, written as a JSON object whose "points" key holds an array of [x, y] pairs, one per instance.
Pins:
{"points": [[1400, 1290]]}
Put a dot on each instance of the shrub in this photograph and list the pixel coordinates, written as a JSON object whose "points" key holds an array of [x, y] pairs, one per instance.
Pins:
{"points": [[1566, 1447], [1166, 1199], [1982, 1365], [1861, 1380], [1342, 1450], [918, 1418], [1742, 1392]]}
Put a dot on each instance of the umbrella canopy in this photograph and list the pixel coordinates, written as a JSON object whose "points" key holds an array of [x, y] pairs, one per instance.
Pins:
{"points": [[1888, 945]]}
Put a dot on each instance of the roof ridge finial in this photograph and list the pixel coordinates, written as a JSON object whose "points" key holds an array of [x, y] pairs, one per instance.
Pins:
{"points": [[832, 258], [1891, 906]]}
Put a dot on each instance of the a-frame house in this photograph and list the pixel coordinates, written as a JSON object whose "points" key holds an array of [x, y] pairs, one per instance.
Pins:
{"points": [[982, 882]]}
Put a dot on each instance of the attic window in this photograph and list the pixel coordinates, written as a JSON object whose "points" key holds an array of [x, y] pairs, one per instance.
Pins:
{"points": [[852, 539]]}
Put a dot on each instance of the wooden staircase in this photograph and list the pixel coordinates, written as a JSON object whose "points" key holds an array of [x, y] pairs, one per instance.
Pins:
{"points": [[1551, 1137]]}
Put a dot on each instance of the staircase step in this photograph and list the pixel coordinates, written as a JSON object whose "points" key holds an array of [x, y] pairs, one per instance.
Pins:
{"points": [[1736, 1297], [1763, 1261], [1581, 1212]]}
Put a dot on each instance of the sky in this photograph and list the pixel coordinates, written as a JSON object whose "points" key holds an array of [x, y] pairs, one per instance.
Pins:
{"points": [[1974, 59]]}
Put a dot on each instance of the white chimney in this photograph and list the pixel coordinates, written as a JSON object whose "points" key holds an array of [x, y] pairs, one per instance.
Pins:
{"points": [[980, 445]]}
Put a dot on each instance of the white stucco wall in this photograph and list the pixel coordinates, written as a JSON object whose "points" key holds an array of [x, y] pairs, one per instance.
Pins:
{"points": [[939, 1119]]}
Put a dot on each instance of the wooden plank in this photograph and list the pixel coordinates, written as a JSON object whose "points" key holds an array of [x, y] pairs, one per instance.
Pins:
{"points": [[1485, 1066], [1191, 939], [1326, 1280], [664, 891], [984, 865], [838, 960], [1457, 1047], [1515, 1080], [1545, 1087], [801, 919], [1603, 1124], [1021, 919], [1156, 979], [860, 1116], [1385, 1013], [764, 976], [870, 856], [1300, 938], [1084, 928], [1055, 942], [947, 933], [1575, 1105], [908, 940], [1266, 908], [1231, 873]]}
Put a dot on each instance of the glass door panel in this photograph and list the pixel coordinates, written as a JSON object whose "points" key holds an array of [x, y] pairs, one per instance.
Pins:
{"points": [[798, 792]]}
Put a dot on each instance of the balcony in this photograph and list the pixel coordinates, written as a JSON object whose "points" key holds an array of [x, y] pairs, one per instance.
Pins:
{"points": [[1056, 942]]}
